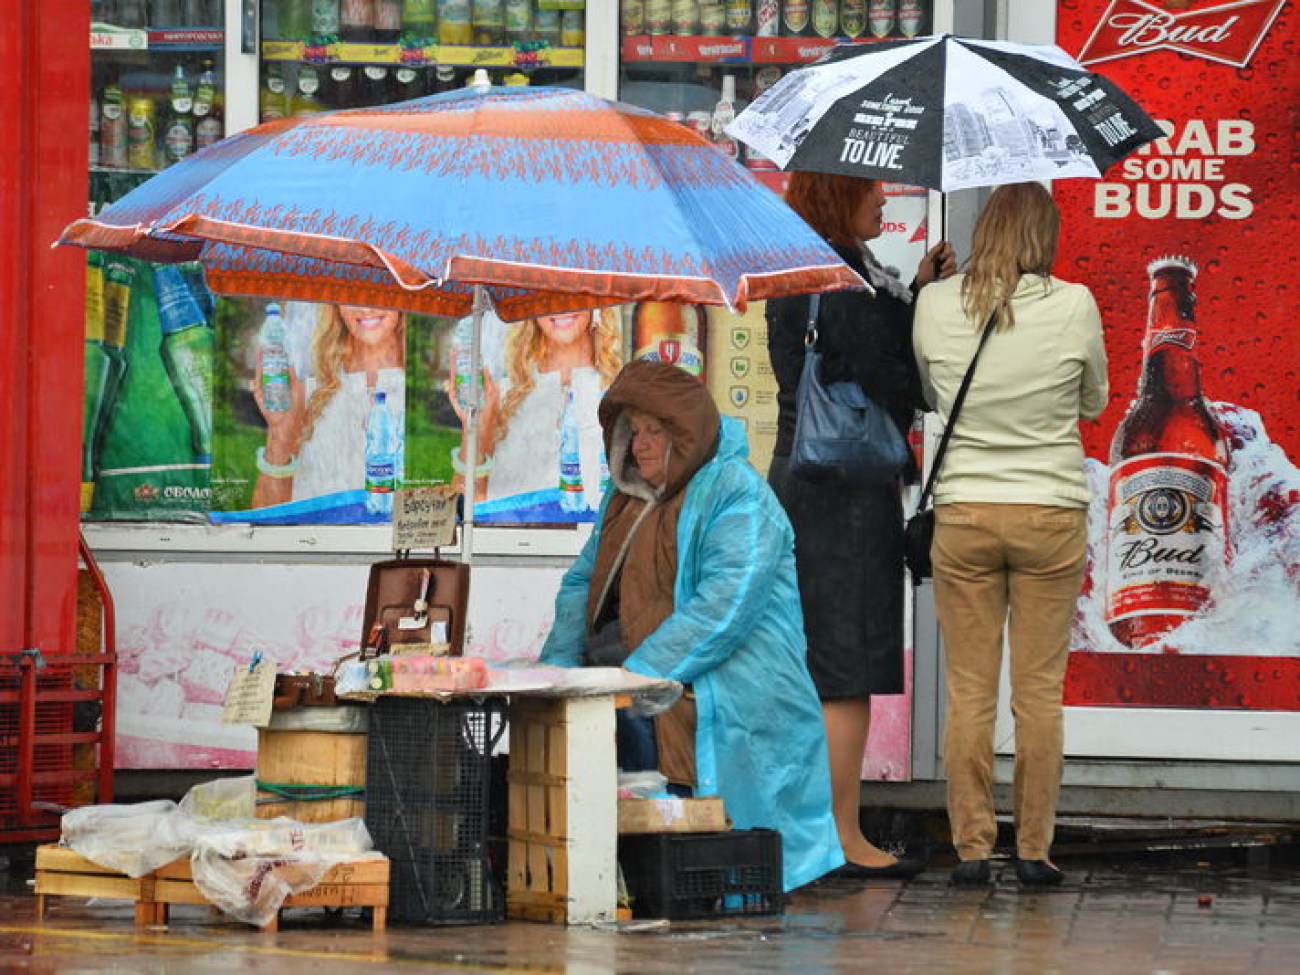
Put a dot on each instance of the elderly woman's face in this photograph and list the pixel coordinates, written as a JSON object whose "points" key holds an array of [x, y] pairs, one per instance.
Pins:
{"points": [[649, 446]]}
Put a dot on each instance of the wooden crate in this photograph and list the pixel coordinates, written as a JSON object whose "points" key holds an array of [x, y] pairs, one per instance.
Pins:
{"points": [[562, 839], [60, 872], [307, 758], [360, 883]]}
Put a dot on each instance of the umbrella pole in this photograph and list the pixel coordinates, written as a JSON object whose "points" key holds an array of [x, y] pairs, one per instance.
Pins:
{"points": [[471, 425]]}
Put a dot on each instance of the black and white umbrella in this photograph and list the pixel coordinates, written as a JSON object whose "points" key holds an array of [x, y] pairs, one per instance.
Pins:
{"points": [[945, 113]]}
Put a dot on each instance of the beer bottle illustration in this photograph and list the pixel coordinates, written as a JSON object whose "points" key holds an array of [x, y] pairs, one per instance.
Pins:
{"points": [[1167, 503]]}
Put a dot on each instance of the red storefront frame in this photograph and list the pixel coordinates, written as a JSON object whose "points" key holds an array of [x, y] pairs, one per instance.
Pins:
{"points": [[44, 93]]}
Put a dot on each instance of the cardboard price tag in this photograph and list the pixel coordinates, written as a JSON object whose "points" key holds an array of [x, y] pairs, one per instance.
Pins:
{"points": [[248, 698], [424, 518]]}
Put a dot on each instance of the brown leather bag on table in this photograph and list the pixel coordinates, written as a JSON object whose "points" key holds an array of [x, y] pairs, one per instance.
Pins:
{"points": [[416, 601]]}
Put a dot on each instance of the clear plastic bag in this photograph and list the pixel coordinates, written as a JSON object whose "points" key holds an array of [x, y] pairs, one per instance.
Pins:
{"points": [[133, 839]]}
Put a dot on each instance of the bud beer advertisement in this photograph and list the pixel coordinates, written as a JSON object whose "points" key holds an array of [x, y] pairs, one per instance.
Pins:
{"points": [[1192, 596]]}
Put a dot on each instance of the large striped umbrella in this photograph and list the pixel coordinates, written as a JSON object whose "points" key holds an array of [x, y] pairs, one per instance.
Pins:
{"points": [[537, 200], [552, 199]]}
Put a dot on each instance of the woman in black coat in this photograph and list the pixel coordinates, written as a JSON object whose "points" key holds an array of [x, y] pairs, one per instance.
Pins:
{"points": [[849, 541]]}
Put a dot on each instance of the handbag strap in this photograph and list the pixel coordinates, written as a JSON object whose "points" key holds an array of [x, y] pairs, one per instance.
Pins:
{"points": [[814, 308], [952, 417]]}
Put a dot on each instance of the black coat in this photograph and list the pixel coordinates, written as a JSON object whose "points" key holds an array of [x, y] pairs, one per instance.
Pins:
{"points": [[848, 541]]}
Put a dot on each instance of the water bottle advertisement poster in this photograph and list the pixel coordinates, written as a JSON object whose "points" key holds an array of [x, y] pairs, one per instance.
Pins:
{"points": [[146, 417], [1192, 595]]}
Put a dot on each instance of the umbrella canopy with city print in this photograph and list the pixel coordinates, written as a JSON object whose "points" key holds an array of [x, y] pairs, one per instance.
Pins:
{"points": [[946, 113], [550, 199]]}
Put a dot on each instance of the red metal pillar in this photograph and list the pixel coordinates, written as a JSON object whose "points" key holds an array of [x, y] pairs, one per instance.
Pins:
{"points": [[44, 97]]}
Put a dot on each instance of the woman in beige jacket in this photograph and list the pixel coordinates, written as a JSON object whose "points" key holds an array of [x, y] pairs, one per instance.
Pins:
{"points": [[1010, 512]]}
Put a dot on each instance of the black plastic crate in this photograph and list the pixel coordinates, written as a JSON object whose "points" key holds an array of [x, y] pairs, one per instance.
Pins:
{"points": [[428, 782], [701, 875]]}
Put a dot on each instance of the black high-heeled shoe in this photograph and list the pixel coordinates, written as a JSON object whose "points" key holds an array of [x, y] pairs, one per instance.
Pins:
{"points": [[972, 873], [1038, 873]]}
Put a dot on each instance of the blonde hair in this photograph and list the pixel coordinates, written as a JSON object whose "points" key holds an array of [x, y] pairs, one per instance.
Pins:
{"points": [[1016, 234], [331, 352], [828, 202], [526, 349]]}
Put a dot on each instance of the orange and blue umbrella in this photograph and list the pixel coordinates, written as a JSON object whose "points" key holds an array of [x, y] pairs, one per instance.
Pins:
{"points": [[550, 199]]}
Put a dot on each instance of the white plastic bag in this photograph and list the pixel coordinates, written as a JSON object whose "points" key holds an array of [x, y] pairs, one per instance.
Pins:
{"points": [[130, 838]]}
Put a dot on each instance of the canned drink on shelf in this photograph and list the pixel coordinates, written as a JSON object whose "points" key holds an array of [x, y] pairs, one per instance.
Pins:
{"points": [[765, 78], [141, 133]]}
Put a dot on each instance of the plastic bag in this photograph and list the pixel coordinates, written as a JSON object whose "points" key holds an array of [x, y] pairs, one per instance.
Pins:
{"points": [[230, 798], [130, 838], [642, 785]]}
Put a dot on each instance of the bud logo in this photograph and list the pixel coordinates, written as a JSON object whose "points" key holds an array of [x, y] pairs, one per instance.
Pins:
{"points": [[1228, 33]]}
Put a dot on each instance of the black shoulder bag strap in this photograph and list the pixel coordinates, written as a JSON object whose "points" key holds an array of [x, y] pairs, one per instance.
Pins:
{"points": [[814, 307], [952, 417]]}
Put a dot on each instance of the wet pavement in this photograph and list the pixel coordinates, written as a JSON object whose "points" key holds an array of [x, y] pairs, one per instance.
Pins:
{"points": [[1217, 912]]}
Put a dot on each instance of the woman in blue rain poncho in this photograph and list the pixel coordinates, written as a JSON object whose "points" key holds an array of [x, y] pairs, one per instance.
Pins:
{"points": [[689, 576]]}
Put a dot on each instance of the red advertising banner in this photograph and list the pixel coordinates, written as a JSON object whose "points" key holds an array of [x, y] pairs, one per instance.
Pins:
{"points": [[1192, 597]]}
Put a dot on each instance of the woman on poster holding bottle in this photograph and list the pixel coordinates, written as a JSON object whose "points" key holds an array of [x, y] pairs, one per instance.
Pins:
{"points": [[316, 434], [557, 369]]}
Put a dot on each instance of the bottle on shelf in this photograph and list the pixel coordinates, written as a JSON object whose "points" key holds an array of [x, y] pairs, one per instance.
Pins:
{"points": [[518, 21], [911, 17], [571, 494], [740, 17], [141, 133], [853, 18], [198, 13], [356, 21], [658, 17], [420, 19], [112, 128], [186, 350], [882, 17], [573, 28], [632, 17], [97, 365], [94, 131], [165, 13], [271, 98], [713, 18], [409, 83], [488, 22], [308, 90], [273, 353], [444, 78], [795, 21], [724, 113], [293, 19], [686, 17], [376, 85], [178, 134], [388, 21], [343, 88], [455, 25], [381, 456], [546, 26], [325, 18], [825, 17], [767, 18], [207, 116]]}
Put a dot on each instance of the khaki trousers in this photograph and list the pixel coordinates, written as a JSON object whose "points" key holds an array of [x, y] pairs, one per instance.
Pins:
{"points": [[1018, 566]]}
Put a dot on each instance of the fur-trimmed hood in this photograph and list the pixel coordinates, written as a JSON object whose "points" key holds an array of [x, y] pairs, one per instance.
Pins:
{"points": [[682, 404]]}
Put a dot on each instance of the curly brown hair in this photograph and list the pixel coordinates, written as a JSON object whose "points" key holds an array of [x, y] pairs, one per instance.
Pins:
{"points": [[827, 202]]}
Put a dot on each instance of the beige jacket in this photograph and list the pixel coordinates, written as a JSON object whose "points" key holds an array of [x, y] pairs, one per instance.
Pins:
{"points": [[1017, 438]]}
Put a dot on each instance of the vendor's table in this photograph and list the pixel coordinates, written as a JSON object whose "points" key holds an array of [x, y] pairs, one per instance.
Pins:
{"points": [[563, 783]]}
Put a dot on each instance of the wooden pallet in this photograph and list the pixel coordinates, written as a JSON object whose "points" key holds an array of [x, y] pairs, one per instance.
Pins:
{"points": [[61, 872]]}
